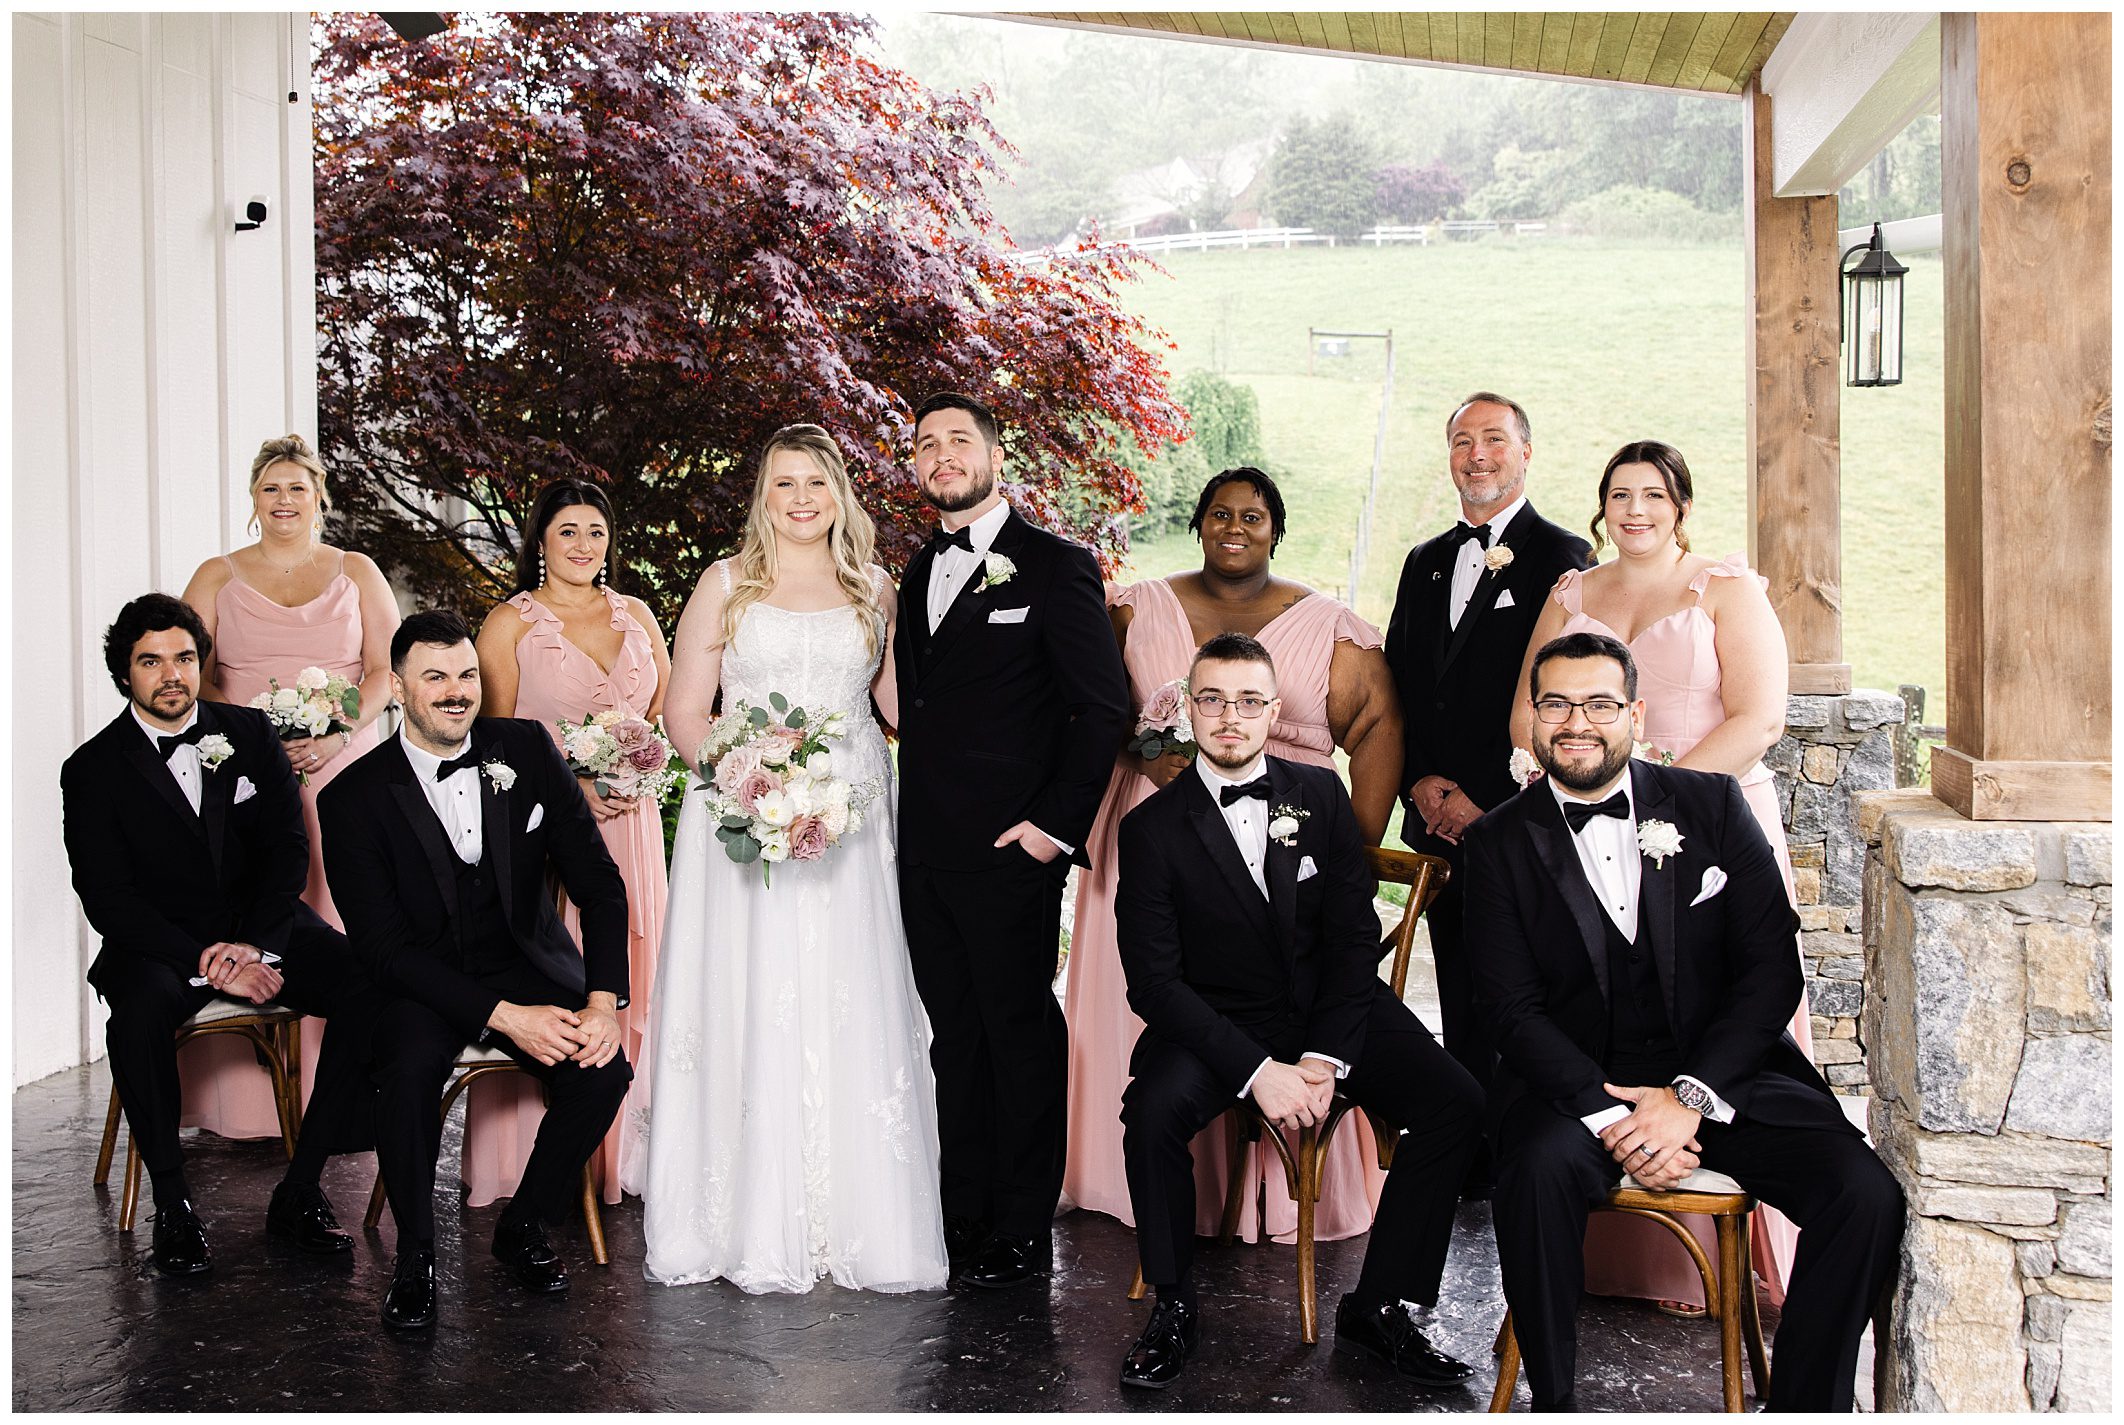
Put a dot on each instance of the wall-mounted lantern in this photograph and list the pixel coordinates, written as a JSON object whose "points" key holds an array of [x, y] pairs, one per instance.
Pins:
{"points": [[1873, 315]]}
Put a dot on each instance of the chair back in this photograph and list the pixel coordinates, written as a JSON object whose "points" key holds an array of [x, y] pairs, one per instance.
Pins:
{"points": [[1425, 876]]}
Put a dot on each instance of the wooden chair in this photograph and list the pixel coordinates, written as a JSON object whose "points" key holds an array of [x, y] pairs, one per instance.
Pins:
{"points": [[473, 1064], [1729, 1291], [1425, 876], [274, 1032]]}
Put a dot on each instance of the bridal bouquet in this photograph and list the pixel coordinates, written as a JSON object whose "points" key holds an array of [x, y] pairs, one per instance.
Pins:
{"points": [[627, 756], [1165, 725], [319, 705], [770, 780]]}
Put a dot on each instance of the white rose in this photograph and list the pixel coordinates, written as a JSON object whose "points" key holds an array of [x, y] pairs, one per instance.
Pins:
{"points": [[775, 810], [286, 700], [821, 763], [834, 816], [833, 793], [313, 680], [1657, 840], [1282, 827], [774, 846], [316, 719]]}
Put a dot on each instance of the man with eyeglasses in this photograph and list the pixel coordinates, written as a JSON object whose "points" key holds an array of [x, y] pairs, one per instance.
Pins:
{"points": [[1637, 974], [1246, 930]]}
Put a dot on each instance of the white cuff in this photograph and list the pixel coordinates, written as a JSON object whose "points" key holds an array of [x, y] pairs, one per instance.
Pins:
{"points": [[1721, 1111], [1342, 1070], [1596, 1121], [1067, 849], [1248, 1086]]}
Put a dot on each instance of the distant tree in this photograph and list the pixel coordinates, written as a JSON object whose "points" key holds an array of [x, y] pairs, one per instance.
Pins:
{"points": [[1408, 194], [1226, 421], [628, 247], [1324, 176]]}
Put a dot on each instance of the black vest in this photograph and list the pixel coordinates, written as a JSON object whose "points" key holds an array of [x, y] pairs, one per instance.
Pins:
{"points": [[483, 938], [1641, 1047]]}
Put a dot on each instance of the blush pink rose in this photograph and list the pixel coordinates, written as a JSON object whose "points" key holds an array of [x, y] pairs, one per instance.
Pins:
{"points": [[756, 785], [736, 765], [808, 839], [1163, 709], [647, 756]]}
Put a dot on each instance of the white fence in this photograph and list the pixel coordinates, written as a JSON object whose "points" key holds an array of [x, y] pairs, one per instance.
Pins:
{"points": [[1246, 239]]}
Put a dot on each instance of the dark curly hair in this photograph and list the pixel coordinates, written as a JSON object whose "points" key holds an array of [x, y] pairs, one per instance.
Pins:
{"points": [[1248, 475], [150, 613], [440, 628]]}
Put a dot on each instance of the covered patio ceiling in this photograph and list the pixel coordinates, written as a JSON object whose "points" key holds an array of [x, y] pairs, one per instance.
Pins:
{"points": [[1701, 53]]}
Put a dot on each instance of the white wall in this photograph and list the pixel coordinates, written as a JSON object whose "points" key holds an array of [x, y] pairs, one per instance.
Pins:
{"points": [[154, 348]]}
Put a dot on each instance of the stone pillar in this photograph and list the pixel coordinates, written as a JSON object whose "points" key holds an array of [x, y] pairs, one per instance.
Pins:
{"points": [[1833, 747], [1987, 1020]]}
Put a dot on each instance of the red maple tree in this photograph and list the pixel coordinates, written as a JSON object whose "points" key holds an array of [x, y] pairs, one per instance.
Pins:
{"points": [[629, 247]]}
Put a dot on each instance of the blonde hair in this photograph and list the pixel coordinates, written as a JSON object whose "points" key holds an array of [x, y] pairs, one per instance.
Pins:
{"points": [[853, 539], [291, 450]]}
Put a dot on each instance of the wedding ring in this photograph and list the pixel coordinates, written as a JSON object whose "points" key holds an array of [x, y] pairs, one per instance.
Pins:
{"points": [[228, 959], [1645, 1149]]}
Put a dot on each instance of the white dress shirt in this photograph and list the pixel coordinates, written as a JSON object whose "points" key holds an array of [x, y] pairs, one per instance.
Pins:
{"points": [[455, 798], [1248, 818], [1468, 566], [183, 761], [1607, 852], [953, 568]]}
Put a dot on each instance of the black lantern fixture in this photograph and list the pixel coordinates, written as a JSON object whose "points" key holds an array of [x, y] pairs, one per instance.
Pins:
{"points": [[1873, 315]]}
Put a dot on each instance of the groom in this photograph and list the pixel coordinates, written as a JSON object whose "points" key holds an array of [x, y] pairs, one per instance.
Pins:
{"points": [[1638, 973], [1013, 703], [438, 845]]}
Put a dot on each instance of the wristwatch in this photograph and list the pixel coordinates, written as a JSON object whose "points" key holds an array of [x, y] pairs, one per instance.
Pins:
{"points": [[1693, 1096]]}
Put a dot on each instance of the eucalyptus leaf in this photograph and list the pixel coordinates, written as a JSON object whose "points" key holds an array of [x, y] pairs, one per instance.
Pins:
{"points": [[744, 849], [758, 717], [779, 703]]}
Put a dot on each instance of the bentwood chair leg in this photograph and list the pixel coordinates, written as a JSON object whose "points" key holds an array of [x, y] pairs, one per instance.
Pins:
{"points": [[1729, 1316], [1234, 1185], [1308, 1197], [110, 1141], [130, 1202], [1135, 1286], [1507, 1367], [292, 1057], [593, 1220], [1752, 1322], [376, 1202]]}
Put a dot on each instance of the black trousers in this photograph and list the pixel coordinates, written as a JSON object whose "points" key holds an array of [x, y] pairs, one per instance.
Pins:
{"points": [[1551, 1172], [1403, 1074], [415, 1048], [983, 945], [149, 1001]]}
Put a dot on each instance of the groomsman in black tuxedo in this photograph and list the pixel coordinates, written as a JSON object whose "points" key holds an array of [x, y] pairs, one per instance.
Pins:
{"points": [[1251, 948], [1013, 704], [1638, 974], [1462, 617], [184, 830], [438, 844]]}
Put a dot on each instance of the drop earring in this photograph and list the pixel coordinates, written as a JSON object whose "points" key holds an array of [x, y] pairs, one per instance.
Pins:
{"points": [[538, 569]]}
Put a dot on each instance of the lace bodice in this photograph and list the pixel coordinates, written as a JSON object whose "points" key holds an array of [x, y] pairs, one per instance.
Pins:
{"points": [[820, 662]]}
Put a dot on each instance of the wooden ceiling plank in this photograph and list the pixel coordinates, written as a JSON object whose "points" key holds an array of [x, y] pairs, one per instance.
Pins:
{"points": [[1445, 37], [1363, 32], [1585, 42], [1757, 57], [1703, 50], [1644, 43], [1673, 48], [1473, 36], [1733, 54], [1555, 43], [1615, 39], [1526, 41], [1312, 28], [1497, 39], [1284, 26], [1393, 39]]}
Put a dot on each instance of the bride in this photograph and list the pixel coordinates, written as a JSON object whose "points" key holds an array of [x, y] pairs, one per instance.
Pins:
{"points": [[794, 1135]]}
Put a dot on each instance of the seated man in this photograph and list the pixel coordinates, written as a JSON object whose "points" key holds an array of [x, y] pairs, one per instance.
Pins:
{"points": [[1251, 949], [184, 830], [437, 847], [1638, 975]]}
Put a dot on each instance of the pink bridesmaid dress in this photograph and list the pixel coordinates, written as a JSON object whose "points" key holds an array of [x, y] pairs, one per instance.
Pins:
{"points": [[1678, 678], [1102, 1029], [256, 641], [556, 679]]}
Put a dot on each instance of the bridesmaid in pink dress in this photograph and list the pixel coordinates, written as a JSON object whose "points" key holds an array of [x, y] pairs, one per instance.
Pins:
{"points": [[564, 646], [274, 608], [1336, 690], [1711, 667]]}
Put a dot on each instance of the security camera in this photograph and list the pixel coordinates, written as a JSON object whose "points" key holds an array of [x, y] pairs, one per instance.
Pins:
{"points": [[255, 211]]}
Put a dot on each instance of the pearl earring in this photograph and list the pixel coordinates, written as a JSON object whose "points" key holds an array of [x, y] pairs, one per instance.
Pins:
{"points": [[538, 569]]}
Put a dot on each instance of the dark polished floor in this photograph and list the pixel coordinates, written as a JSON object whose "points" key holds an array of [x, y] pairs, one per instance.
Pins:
{"points": [[96, 1329]]}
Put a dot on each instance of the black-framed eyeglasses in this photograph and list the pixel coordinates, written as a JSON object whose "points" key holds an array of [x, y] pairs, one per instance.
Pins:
{"points": [[1599, 711], [1213, 705]]}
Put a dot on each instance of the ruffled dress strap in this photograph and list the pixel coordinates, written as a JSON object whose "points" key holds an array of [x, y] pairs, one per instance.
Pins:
{"points": [[1349, 628], [1569, 592], [1733, 566]]}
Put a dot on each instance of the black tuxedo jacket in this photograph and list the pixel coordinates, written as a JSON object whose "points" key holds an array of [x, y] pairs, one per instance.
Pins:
{"points": [[394, 876], [1727, 965], [1225, 974], [1012, 710], [1457, 684], [161, 883]]}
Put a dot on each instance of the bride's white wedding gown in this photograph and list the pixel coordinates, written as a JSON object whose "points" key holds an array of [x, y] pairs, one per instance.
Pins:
{"points": [[794, 1133]]}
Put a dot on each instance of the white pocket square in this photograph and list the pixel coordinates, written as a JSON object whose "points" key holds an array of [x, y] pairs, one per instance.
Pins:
{"points": [[1504, 600], [1714, 882], [244, 791], [538, 814], [1306, 869], [1008, 615]]}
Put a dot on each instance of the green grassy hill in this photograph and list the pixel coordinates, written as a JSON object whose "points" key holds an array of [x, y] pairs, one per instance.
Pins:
{"points": [[1602, 344]]}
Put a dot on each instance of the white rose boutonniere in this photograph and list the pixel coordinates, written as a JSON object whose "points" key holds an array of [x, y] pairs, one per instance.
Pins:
{"points": [[1497, 558], [500, 773], [1525, 770], [998, 570], [1658, 840], [1283, 824], [215, 749]]}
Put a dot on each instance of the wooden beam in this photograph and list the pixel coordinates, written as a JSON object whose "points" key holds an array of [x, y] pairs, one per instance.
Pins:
{"points": [[1795, 529], [2025, 182]]}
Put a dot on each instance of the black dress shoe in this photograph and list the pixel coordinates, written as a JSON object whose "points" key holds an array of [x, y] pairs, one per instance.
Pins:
{"points": [[1387, 1332], [963, 1240], [303, 1215], [522, 1246], [180, 1248], [1008, 1260], [410, 1303], [1154, 1362]]}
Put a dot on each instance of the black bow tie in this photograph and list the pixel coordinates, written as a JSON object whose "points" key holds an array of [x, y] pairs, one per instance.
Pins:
{"points": [[1579, 813], [957, 538], [1463, 532], [453, 765], [188, 738], [1259, 787]]}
